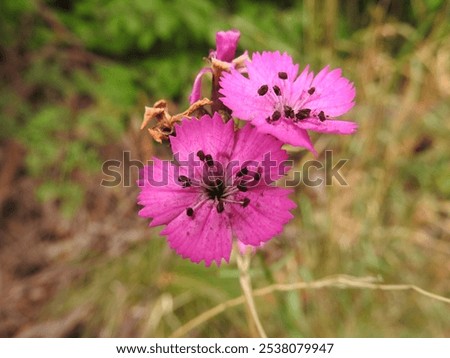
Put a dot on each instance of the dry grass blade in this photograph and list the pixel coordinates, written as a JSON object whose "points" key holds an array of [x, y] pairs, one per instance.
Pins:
{"points": [[339, 281]]}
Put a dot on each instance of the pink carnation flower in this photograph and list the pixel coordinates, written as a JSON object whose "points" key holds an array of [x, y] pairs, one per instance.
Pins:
{"points": [[226, 43], [218, 189], [279, 101]]}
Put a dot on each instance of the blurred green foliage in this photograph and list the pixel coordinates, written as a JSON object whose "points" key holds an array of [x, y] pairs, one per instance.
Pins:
{"points": [[75, 69]]}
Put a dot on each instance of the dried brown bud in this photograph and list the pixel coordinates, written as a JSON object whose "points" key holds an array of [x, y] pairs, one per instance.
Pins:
{"points": [[219, 66], [164, 121]]}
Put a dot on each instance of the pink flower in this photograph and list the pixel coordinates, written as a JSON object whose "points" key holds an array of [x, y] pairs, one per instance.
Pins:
{"points": [[218, 189], [226, 43], [279, 101]]}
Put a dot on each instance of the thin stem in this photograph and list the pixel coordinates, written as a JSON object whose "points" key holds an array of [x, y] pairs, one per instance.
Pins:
{"points": [[243, 262], [217, 105]]}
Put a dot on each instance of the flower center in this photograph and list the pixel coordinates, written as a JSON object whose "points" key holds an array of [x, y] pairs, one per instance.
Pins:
{"points": [[216, 186], [296, 112]]}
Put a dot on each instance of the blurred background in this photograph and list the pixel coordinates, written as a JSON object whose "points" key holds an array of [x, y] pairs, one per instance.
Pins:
{"points": [[77, 261]]}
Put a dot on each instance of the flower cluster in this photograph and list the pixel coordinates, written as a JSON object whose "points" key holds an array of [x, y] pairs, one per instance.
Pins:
{"points": [[220, 184]]}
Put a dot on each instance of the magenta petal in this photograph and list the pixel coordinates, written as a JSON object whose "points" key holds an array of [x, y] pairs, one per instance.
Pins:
{"points": [[205, 237], [238, 90], [287, 132], [264, 217], [196, 93], [252, 146], [329, 126], [161, 195], [335, 94], [209, 134], [302, 83], [264, 67], [226, 44]]}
